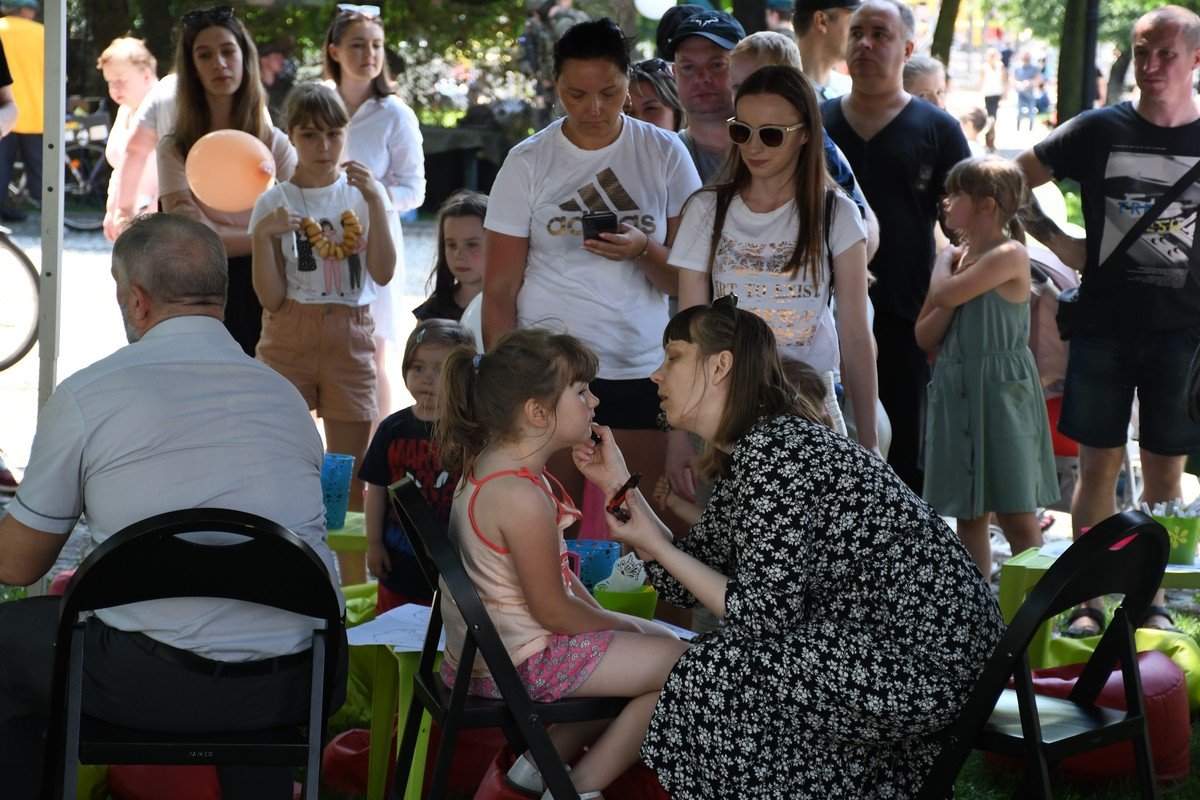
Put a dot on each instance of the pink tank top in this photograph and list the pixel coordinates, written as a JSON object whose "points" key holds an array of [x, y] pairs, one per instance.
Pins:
{"points": [[491, 570]]}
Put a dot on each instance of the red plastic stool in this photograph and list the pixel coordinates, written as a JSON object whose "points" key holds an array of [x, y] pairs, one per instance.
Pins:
{"points": [[1165, 691], [137, 782]]}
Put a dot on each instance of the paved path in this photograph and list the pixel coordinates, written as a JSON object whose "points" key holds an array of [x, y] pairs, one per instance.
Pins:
{"points": [[91, 323]]}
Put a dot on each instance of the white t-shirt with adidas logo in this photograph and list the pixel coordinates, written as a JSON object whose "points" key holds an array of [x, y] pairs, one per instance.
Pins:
{"points": [[544, 188]]}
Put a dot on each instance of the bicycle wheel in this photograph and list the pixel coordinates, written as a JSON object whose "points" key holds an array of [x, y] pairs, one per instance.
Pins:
{"points": [[85, 187], [18, 303]]}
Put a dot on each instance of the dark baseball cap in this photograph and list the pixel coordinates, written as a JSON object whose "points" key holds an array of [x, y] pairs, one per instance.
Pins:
{"points": [[821, 5], [716, 26]]}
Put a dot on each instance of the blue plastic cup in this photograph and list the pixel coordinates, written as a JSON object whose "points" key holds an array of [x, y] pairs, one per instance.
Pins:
{"points": [[596, 559], [336, 472]]}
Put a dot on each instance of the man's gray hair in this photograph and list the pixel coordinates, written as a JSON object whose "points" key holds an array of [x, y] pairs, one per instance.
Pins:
{"points": [[908, 22], [176, 260]]}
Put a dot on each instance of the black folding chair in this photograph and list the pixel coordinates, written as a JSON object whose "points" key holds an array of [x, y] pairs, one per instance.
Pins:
{"points": [[152, 560], [522, 720], [1044, 730]]}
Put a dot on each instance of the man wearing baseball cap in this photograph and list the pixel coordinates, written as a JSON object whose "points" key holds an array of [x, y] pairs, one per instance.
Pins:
{"points": [[700, 49], [822, 30]]}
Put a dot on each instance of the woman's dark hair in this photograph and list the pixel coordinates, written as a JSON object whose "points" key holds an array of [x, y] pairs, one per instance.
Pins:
{"points": [[663, 83], [757, 385], [590, 40], [193, 118], [382, 85], [482, 400], [463, 203], [812, 177]]}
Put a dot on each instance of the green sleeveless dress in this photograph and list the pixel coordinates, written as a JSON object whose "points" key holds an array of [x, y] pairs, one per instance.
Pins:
{"points": [[987, 437]]}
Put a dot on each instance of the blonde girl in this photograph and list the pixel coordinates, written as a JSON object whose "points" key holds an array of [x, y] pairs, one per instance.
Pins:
{"points": [[987, 438], [506, 413], [129, 70]]}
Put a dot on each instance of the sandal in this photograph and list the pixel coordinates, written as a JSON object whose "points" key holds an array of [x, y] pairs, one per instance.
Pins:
{"points": [[1085, 612], [1159, 611]]}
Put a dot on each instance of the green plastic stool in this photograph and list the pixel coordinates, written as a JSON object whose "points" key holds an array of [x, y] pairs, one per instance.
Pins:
{"points": [[392, 694]]}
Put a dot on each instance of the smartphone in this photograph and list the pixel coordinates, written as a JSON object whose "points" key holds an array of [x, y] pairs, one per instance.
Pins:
{"points": [[596, 223]]}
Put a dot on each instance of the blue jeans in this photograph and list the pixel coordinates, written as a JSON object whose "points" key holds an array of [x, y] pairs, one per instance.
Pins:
{"points": [[27, 147], [1104, 369]]}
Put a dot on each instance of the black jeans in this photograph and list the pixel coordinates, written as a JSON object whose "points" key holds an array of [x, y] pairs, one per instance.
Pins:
{"points": [[903, 376], [126, 685]]}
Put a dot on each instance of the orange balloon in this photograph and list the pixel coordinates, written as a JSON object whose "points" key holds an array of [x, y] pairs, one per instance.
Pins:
{"points": [[228, 170]]}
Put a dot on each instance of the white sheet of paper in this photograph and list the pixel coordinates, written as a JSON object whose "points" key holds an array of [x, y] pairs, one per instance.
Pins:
{"points": [[402, 627]]}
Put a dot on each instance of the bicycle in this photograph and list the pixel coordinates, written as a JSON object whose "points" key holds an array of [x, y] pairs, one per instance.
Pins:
{"points": [[19, 301], [86, 173]]}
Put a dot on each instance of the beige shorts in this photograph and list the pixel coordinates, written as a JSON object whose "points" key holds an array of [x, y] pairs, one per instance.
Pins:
{"points": [[327, 351]]}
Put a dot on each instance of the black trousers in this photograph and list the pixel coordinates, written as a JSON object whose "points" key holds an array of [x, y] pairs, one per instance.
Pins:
{"points": [[126, 685], [243, 312], [903, 377]]}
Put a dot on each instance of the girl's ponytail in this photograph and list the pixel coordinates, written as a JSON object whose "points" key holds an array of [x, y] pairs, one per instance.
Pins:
{"points": [[459, 434]]}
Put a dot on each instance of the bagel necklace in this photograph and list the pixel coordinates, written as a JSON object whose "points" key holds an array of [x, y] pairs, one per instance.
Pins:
{"points": [[331, 248]]}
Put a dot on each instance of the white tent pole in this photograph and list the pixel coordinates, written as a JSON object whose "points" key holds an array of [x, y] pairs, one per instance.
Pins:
{"points": [[52, 201]]}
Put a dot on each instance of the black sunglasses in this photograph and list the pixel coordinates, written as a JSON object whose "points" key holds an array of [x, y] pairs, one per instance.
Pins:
{"points": [[769, 135], [653, 65], [214, 14]]}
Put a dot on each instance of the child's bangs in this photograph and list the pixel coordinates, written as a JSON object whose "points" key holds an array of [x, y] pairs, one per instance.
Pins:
{"points": [[316, 109], [577, 362]]}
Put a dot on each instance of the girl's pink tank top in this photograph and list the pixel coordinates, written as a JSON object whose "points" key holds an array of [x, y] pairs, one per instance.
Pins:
{"points": [[491, 570]]}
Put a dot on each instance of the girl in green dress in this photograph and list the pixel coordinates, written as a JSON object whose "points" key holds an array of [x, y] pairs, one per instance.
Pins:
{"points": [[987, 438]]}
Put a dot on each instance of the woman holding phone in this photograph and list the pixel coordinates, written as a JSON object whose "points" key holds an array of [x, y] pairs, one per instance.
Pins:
{"points": [[580, 222]]}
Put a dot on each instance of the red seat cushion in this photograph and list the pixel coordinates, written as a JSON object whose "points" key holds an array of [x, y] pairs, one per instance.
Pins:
{"points": [[1165, 690], [136, 782]]}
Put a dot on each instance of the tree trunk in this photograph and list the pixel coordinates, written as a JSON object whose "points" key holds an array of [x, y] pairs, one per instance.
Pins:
{"points": [[1070, 61], [943, 33], [158, 29], [1116, 78], [752, 14], [105, 21], [626, 15]]}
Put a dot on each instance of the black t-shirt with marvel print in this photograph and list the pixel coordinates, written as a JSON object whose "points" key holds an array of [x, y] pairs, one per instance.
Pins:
{"points": [[403, 446]]}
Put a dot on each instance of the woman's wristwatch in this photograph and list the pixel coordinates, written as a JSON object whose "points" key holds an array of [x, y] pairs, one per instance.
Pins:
{"points": [[645, 250]]}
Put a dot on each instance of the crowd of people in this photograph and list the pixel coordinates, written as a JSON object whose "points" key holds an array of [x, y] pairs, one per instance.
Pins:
{"points": [[795, 300]]}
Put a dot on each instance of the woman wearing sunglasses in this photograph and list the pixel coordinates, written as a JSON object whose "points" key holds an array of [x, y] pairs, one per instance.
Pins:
{"points": [[385, 137], [578, 225], [653, 97], [219, 88], [806, 690], [777, 231]]}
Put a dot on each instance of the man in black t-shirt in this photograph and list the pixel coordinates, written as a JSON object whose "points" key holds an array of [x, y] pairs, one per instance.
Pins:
{"points": [[901, 149], [1140, 306]]}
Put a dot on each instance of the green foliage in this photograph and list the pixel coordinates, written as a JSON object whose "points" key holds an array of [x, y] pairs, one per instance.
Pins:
{"points": [[1045, 20], [11, 593]]}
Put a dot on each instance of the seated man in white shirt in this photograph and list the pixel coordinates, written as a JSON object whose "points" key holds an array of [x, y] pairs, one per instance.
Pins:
{"points": [[181, 418]]}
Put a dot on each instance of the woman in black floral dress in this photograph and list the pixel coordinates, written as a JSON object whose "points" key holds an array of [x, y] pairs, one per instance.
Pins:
{"points": [[855, 622]]}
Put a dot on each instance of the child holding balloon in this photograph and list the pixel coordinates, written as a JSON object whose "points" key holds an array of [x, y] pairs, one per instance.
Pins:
{"points": [[218, 89], [318, 334]]}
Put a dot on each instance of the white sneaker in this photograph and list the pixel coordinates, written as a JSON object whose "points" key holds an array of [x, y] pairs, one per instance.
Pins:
{"points": [[585, 796], [525, 775]]}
